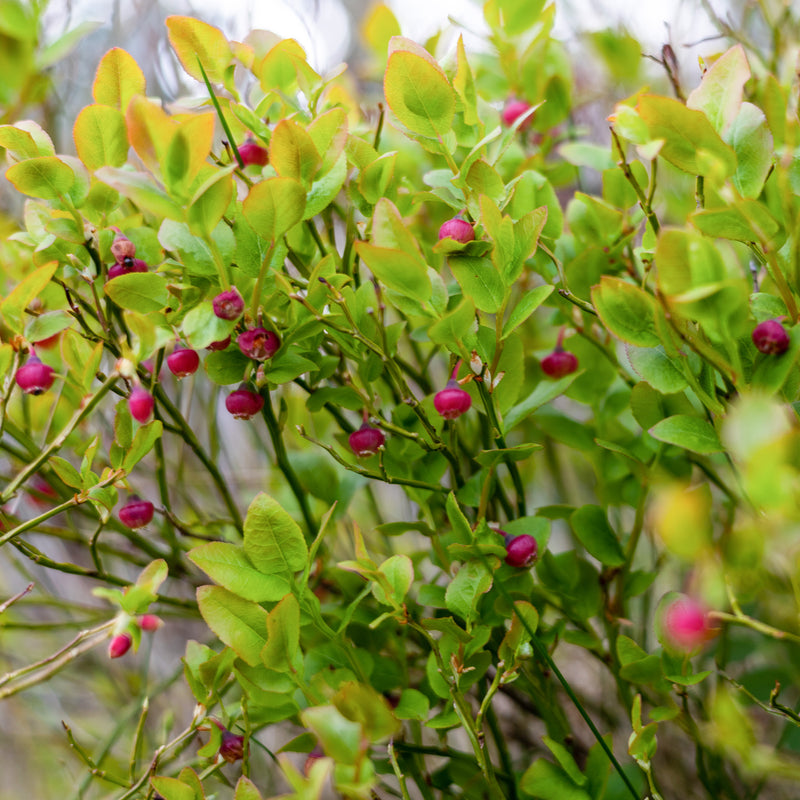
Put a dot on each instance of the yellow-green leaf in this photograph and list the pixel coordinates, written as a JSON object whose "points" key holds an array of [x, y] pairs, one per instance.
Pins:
{"points": [[150, 131], [118, 79], [193, 40], [46, 177], [378, 27], [101, 137], [292, 152], [275, 205], [686, 133], [419, 94]]}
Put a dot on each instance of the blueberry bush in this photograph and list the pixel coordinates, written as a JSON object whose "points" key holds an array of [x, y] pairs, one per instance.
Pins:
{"points": [[455, 450]]}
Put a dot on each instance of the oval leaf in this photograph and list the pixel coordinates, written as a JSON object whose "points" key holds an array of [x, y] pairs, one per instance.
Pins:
{"points": [[419, 94], [273, 541], [227, 565], [691, 433]]}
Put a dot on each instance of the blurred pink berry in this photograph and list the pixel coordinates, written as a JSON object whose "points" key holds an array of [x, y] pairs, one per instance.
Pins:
{"points": [[366, 441], [770, 337], [513, 110], [244, 403], [452, 401], [136, 513], [140, 404], [228, 305], [252, 153], [119, 645], [183, 361], [232, 747], [685, 624], [149, 622], [258, 343], [559, 363], [521, 551], [34, 377]]}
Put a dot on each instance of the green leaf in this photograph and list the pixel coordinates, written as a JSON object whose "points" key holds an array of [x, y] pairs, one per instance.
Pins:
{"points": [[172, 788], [227, 565], [139, 291], [14, 305], [193, 41], [363, 704], [412, 705], [379, 27], [751, 139], [419, 94], [653, 366], [464, 85], [22, 144], [140, 189], [692, 433], [66, 472], [273, 541], [513, 16], [48, 324], [746, 221], [194, 252], [246, 790], [399, 572], [545, 391], [292, 152], [528, 303], [565, 760], [325, 188], [201, 326], [590, 525], [479, 281], [719, 94], [340, 737], [274, 206], [46, 177], [226, 366], [118, 79], [146, 436], [686, 134], [545, 781], [240, 624], [210, 202], [283, 635], [101, 137], [397, 270], [626, 310], [464, 592], [454, 325]]}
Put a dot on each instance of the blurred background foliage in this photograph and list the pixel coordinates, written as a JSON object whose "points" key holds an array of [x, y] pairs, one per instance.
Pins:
{"points": [[48, 56]]}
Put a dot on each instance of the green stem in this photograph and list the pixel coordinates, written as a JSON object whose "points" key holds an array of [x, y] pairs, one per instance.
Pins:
{"points": [[285, 466], [374, 475], [58, 442], [189, 437], [500, 441], [262, 273], [543, 653], [223, 121], [644, 200]]}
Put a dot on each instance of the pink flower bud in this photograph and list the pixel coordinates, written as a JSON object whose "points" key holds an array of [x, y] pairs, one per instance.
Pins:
{"points": [[119, 645], [685, 624], [149, 622]]}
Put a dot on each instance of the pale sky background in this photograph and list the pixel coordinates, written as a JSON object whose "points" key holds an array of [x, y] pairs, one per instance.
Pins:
{"points": [[323, 26]]}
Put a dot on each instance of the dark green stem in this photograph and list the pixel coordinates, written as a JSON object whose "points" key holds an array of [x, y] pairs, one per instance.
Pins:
{"points": [[284, 465]]}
